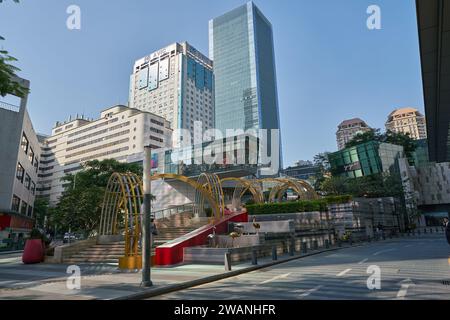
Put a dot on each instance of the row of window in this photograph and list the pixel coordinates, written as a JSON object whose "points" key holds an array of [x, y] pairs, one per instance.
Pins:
{"points": [[99, 132], [21, 175], [111, 136], [25, 144], [97, 148], [21, 206]]}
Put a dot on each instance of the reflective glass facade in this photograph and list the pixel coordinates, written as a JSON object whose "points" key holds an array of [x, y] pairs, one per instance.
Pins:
{"points": [[366, 159], [241, 46]]}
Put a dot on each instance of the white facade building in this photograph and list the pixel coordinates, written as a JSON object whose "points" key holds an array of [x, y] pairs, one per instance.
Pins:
{"points": [[119, 133], [407, 120], [348, 129], [176, 83]]}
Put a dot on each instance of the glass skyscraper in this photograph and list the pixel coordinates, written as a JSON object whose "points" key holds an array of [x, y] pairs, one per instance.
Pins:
{"points": [[241, 46]]}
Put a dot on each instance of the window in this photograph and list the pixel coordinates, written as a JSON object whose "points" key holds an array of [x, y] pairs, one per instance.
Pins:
{"points": [[31, 155], [15, 203], [20, 172], [27, 181], [30, 211], [33, 187], [24, 143], [23, 207]]}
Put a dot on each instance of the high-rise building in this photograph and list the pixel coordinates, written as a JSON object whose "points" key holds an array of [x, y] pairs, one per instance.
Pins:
{"points": [[119, 133], [409, 121], [176, 83], [241, 46], [348, 129], [433, 17], [19, 161]]}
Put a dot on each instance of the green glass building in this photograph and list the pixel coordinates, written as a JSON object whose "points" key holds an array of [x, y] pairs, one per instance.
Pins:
{"points": [[365, 159]]}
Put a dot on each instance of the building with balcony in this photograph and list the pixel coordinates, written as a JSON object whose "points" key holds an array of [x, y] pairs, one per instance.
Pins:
{"points": [[119, 133], [408, 121], [348, 129]]}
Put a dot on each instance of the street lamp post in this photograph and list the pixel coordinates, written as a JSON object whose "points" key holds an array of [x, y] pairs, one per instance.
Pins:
{"points": [[146, 220]]}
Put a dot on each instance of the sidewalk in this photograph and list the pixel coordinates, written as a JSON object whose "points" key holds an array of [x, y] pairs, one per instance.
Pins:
{"points": [[123, 285], [109, 283]]}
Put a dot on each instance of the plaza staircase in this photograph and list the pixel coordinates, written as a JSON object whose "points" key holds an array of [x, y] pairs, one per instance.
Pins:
{"points": [[169, 229]]}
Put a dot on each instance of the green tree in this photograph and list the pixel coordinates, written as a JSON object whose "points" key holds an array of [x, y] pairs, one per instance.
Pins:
{"points": [[8, 74], [323, 164], [80, 205], [41, 210], [371, 135]]}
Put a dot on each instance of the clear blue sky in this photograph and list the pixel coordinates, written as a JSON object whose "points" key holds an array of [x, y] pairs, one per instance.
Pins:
{"points": [[329, 65]]}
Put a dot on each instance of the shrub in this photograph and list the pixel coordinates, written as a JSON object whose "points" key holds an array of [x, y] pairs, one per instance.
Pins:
{"points": [[296, 206]]}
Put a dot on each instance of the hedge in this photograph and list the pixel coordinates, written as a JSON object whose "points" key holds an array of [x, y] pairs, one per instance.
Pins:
{"points": [[297, 206]]}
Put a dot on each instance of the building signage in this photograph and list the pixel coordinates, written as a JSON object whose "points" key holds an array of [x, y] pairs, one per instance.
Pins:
{"points": [[352, 166]]}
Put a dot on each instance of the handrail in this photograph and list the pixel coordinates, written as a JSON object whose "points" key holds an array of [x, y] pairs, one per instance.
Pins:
{"points": [[166, 213]]}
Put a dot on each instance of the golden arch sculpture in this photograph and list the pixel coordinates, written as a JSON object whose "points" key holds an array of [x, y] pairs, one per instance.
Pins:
{"points": [[244, 185], [302, 188], [122, 208], [212, 184], [204, 192]]}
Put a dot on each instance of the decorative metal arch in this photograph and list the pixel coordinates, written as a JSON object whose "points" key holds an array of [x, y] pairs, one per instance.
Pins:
{"points": [[210, 182], [122, 200], [302, 188], [244, 185], [204, 192]]}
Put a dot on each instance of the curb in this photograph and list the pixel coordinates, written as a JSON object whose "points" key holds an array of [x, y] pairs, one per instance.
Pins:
{"points": [[10, 252], [193, 283]]}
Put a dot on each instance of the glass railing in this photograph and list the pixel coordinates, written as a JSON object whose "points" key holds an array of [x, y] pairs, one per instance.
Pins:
{"points": [[8, 106], [166, 213]]}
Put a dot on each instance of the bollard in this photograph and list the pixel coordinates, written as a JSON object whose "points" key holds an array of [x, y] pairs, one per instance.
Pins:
{"points": [[383, 236], [418, 232], [339, 242], [437, 230], [254, 257], [304, 247], [327, 243], [227, 261], [425, 230], [431, 230], [350, 241], [274, 253], [315, 245], [369, 239], [414, 232]]}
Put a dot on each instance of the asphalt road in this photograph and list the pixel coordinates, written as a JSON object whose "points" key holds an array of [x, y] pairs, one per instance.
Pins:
{"points": [[416, 268]]}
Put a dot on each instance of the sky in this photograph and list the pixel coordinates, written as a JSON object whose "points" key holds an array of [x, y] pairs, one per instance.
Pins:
{"points": [[329, 65]]}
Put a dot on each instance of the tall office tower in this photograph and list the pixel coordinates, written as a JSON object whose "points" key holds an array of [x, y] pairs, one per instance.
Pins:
{"points": [[348, 129], [407, 120], [176, 83], [120, 133], [241, 46]]}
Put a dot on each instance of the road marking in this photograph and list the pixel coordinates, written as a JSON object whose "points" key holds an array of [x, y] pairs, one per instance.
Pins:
{"points": [[408, 245], [340, 274], [362, 261], [276, 278], [382, 251], [401, 294], [307, 293]]}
